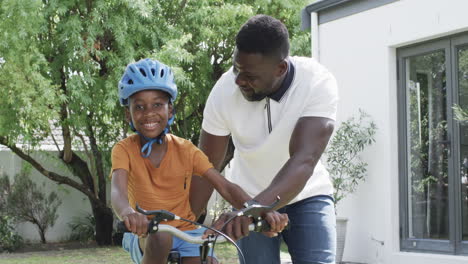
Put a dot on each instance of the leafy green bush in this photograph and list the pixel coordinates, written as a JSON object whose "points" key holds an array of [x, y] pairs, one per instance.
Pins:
{"points": [[4, 191], [346, 169], [82, 228], [9, 240]]}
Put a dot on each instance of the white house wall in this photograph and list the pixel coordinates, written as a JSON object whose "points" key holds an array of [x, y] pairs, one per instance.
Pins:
{"points": [[361, 52]]}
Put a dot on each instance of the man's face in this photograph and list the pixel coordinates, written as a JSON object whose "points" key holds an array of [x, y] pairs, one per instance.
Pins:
{"points": [[257, 75]]}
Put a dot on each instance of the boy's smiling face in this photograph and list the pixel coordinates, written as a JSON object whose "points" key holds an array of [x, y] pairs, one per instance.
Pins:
{"points": [[149, 111]]}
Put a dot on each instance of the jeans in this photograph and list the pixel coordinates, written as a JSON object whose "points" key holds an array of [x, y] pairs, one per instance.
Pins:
{"points": [[311, 236]]}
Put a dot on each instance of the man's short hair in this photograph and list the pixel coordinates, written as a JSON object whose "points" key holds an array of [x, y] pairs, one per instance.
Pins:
{"points": [[265, 35]]}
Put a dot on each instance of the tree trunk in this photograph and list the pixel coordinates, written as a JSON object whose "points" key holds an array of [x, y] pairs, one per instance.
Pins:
{"points": [[102, 214], [42, 234], [104, 224]]}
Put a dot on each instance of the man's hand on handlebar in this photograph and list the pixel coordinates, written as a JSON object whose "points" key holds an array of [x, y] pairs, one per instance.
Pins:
{"points": [[277, 223], [238, 227]]}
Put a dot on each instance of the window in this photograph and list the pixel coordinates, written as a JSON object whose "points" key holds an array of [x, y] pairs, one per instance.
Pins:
{"points": [[433, 77]]}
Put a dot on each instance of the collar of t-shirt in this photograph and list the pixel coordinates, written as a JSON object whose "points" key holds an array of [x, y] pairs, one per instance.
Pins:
{"points": [[285, 84]]}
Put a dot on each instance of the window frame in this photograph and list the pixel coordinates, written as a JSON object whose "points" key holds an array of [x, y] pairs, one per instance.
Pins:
{"points": [[454, 245], [461, 247]]}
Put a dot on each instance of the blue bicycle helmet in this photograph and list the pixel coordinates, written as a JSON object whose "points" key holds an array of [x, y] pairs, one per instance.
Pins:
{"points": [[147, 74]]}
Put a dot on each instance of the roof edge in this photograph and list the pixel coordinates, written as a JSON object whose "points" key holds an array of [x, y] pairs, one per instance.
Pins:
{"points": [[323, 4]]}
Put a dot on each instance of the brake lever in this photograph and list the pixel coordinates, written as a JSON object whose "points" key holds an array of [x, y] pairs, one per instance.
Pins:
{"points": [[256, 210], [158, 216]]}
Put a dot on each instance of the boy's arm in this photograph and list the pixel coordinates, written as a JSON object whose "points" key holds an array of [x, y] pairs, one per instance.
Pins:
{"points": [[228, 190], [135, 222]]}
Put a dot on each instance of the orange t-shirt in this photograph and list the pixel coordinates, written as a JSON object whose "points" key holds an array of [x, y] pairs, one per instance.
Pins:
{"points": [[166, 187]]}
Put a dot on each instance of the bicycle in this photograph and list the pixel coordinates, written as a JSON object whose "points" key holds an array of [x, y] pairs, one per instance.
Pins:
{"points": [[254, 211]]}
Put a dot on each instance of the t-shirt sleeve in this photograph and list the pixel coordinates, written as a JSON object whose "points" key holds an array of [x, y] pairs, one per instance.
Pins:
{"points": [[120, 158], [213, 119], [201, 162], [323, 98]]}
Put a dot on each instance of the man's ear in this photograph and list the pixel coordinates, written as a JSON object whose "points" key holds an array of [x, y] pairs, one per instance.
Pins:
{"points": [[282, 68]]}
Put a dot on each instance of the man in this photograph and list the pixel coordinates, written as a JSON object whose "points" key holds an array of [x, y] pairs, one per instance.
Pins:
{"points": [[280, 112]]}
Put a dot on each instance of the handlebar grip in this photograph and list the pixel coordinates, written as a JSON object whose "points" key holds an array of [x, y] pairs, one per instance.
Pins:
{"points": [[121, 228], [262, 226]]}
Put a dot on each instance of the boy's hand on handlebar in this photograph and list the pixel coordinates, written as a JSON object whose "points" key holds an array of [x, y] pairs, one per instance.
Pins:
{"points": [[136, 223]]}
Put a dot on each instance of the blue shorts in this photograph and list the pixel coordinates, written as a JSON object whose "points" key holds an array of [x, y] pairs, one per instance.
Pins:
{"points": [[311, 236], [185, 249]]}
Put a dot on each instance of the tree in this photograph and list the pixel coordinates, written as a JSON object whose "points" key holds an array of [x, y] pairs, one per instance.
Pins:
{"points": [[61, 61], [27, 202]]}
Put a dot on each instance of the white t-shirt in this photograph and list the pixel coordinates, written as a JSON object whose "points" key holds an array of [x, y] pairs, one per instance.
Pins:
{"points": [[260, 154]]}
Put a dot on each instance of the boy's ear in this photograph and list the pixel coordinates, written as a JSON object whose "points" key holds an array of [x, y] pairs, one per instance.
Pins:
{"points": [[128, 117], [170, 108]]}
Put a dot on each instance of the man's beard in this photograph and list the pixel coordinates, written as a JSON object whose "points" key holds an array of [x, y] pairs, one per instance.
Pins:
{"points": [[254, 97]]}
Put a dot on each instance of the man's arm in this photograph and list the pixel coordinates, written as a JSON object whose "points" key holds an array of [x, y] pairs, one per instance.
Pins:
{"points": [[215, 148], [308, 141]]}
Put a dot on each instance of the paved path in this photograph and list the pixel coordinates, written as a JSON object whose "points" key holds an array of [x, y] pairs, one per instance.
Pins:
{"points": [[285, 258]]}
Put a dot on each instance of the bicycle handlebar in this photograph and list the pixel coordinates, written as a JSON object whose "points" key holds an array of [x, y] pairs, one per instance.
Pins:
{"points": [[260, 226], [254, 211]]}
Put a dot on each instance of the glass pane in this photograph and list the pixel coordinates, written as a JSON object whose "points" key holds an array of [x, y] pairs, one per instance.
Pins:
{"points": [[427, 146], [463, 101]]}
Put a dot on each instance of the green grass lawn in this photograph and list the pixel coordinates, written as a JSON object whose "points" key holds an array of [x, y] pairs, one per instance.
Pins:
{"points": [[102, 255], [226, 253]]}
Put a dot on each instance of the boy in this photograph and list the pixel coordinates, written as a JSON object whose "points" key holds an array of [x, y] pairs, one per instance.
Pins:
{"points": [[158, 176]]}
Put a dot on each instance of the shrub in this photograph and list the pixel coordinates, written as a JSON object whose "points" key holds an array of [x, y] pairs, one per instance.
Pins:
{"points": [[82, 228], [9, 240], [26, 202], [346, 169]]}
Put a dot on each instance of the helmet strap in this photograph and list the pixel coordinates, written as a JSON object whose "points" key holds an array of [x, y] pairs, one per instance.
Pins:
{"points": [[132, 127], [148, 146]]}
